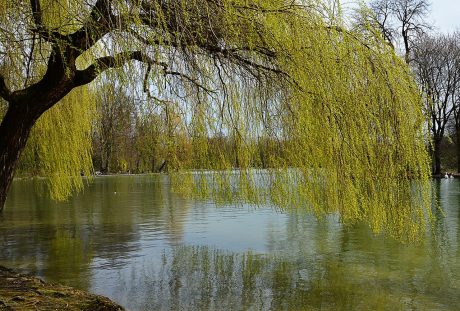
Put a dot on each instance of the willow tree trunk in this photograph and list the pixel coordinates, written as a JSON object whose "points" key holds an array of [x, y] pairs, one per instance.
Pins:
{"points": [[15, 129], [26, 106], [14, 132]]}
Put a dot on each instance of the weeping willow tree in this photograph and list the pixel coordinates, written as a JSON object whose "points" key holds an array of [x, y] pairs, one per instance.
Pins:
{"points": [[59, 146], [337, 110]]}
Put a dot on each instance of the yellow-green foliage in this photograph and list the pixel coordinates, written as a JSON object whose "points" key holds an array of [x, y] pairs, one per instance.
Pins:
{"points": [[351, 128], [332, 114], [60, 144]]}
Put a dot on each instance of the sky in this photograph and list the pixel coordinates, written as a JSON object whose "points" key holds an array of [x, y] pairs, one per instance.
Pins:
{"points": [[445, 15]]}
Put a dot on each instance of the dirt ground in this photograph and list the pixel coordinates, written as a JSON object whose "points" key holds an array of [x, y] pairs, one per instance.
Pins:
{"points": [[25, 292]]}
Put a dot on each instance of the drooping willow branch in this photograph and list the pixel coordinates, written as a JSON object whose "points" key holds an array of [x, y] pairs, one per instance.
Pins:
{"points": [[331, 113], [101, 64]]}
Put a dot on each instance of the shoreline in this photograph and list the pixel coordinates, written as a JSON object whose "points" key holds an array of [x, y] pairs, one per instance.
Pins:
{"points": [[442, 176], [27, 292]]}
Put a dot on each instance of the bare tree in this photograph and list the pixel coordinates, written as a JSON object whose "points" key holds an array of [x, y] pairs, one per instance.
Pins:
{"points": [[115, 115], [401, 20], [456, 97], [383, 17], [435, 64]]}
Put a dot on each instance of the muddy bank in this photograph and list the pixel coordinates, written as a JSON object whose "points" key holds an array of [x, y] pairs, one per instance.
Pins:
{"points": [[25, 292]]}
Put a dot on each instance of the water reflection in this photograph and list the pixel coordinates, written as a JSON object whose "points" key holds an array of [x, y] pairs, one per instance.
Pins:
{"points": [[131, 239]]}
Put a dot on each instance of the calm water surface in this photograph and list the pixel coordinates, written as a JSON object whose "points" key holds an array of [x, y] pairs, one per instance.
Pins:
{"points": [[131, 239]]}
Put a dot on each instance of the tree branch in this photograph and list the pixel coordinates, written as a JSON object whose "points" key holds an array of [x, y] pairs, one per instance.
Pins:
{"points": [[40, 28], [100, 22], [5, 93], [103, 63], [190, 79], [36, 13]]}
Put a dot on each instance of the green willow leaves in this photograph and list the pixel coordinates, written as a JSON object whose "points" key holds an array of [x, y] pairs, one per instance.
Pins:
{"points": [[331, 115]]}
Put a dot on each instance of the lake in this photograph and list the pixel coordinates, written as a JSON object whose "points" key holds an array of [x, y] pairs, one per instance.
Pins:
{"points": [[129, 238]]}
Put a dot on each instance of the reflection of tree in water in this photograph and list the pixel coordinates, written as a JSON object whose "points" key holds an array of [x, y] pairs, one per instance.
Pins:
{"points": [[60, 241], [203, 278], [311, 264], [43, 237], [69, 258]]}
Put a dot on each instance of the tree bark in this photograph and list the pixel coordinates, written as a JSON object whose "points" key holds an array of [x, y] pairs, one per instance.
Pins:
{"points": [[458, 148], [105, 159], [14, 132], [406, 47], [24, 109], [437, 157]]}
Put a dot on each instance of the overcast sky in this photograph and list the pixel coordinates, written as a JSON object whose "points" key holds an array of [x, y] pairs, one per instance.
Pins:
{"points": [[445, 15]]}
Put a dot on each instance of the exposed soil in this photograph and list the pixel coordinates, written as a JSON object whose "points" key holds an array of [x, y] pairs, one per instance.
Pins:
{"points": [[25, 292]]}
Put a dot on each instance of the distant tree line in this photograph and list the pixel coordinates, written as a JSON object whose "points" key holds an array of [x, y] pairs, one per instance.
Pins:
{"points": [[132, 135]]}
